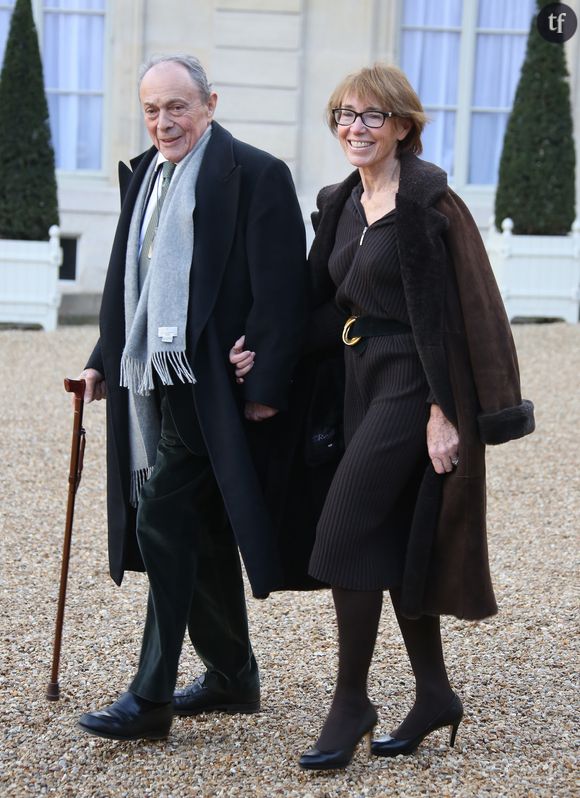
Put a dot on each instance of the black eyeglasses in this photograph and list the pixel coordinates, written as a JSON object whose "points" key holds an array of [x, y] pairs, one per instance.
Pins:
{"points": [[346, 116]]}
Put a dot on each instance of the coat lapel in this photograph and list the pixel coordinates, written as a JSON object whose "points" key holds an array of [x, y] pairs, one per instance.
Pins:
{"points": [[421, 249], [215, 219], [131, 177], [331, 201], [129, 183], [424, 262]]}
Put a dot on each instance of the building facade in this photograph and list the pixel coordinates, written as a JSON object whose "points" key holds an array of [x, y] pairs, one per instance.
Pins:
{"points": [[273, 64]]}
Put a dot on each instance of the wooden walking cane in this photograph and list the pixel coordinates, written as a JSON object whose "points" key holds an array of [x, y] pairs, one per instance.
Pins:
{"points": [[76, 467]]}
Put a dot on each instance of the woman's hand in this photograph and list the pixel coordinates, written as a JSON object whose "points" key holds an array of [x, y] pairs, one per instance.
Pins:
{"points": [[95, 385], [254, 411], [442, 441], [242, 359]]}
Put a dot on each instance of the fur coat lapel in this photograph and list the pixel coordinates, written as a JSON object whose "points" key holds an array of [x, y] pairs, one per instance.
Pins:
{"points": [[420, 228]]}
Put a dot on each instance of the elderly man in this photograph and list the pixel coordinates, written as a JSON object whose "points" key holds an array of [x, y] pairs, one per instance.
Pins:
{"points": [[209, 246]]}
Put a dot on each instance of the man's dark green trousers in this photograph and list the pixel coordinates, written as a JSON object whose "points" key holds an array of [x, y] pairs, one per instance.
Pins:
{"points": [[192, 562]]}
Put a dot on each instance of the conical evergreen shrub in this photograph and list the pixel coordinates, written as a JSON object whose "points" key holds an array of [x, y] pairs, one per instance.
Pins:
{"points": [[536, 173], [28, 196]]}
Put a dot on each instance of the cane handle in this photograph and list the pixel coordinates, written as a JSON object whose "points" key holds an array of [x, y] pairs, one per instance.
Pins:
{"points": [[75, 386]]}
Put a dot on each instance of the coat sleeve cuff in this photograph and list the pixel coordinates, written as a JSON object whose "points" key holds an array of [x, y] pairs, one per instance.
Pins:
{"points": [[507, 425], [268, 395]]}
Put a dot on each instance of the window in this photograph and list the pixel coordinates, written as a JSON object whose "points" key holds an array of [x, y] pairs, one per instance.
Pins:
{"points": [[73, 55], [464, 57], [72, 40]]}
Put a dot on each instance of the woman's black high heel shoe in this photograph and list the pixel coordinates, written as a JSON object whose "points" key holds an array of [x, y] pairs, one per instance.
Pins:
{"points": [[314, 759], [450, 716]]}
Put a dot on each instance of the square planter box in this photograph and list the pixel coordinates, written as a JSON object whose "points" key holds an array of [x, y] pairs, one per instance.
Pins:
{"points": [[29, 290], [538, 276]]}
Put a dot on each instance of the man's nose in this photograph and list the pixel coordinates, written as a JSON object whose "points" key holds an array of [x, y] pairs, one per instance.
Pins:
{"points": [[164, 119]]}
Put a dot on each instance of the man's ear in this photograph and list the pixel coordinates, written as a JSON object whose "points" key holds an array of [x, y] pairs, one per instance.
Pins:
{"points": [[211, 104]]}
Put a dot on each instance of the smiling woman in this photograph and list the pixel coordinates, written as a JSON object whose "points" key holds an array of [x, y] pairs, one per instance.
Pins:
{"points": [[396, 262]]}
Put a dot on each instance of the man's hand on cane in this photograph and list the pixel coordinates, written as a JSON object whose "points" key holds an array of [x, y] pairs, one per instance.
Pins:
{"points": [[95, 385]]}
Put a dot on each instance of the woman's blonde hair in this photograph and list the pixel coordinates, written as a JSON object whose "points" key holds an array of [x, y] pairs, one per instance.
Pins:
{"points": [[389, 86]]}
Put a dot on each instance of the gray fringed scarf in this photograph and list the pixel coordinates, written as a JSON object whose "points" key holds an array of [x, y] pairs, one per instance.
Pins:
{"points": [[155, 320]]}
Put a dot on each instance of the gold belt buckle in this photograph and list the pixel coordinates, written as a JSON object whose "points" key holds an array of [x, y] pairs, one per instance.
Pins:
{"points": [[345, 339]]}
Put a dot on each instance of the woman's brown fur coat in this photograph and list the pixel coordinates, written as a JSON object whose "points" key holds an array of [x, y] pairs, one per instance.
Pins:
{"points": [[464, 340]]}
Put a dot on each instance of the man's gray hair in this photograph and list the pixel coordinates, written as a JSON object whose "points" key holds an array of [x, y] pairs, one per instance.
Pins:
{"points": [[190, 62]]}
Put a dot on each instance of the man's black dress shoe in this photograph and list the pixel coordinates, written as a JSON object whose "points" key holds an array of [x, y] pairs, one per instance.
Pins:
{"points": [[129, 718], [203, 696]]}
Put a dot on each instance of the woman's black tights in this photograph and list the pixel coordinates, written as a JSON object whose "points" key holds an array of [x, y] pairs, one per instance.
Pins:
{"points": [[358, 613], [433, 693]]}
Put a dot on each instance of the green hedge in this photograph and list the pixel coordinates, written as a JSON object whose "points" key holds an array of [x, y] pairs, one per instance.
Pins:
{"points": [[536, 174], [28, 195]]}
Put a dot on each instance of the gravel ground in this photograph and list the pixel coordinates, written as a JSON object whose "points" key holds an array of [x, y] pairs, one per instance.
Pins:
{"points": [[516, 673]]}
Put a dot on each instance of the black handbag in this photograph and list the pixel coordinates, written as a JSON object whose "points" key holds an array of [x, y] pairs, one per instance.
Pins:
{"points": [[324, 440]]}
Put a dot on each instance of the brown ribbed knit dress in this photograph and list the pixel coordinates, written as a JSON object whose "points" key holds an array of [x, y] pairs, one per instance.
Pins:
{"points": [[362, 533]]}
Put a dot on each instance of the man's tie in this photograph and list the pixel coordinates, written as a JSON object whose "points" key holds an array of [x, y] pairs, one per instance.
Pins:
{"points": [[147, 248]]}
